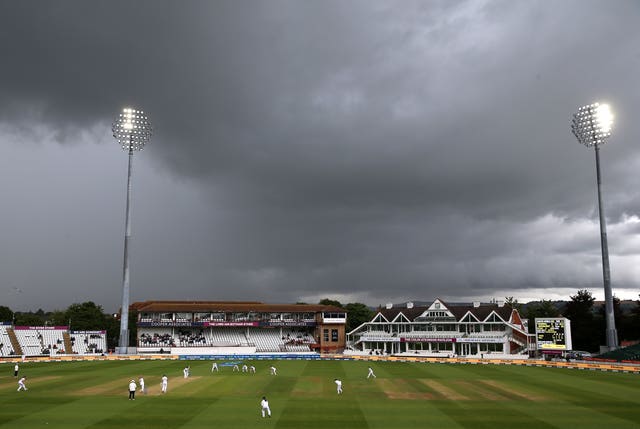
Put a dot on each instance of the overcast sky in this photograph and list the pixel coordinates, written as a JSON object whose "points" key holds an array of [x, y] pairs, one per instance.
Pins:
{"points": [[365, 151]]}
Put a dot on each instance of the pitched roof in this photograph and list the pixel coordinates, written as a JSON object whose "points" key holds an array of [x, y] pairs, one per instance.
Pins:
{"points": [[458, 311], [481, 312]]}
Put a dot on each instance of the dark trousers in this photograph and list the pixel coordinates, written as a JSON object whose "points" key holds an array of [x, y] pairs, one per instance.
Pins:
{"points": [[132, 394]]}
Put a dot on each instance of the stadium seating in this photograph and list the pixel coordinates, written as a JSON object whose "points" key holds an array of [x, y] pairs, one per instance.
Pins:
{"points": [[5, 342], [270, 340], [51, 338], [30, 341], [227, 337], [88, 342], [159, 338], [631, 353], [192, 338], [265, 340], [40, 341]]}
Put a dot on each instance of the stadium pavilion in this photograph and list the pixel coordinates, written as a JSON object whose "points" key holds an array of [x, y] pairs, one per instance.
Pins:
{"points": [[220, 327], [437, 329]]}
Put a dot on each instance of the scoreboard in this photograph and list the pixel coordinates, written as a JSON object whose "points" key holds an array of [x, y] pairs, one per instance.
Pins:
{"points": [[553, 333]]}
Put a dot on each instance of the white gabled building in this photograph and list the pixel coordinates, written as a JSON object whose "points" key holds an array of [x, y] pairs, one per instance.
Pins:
{"points": [[462, 330]]}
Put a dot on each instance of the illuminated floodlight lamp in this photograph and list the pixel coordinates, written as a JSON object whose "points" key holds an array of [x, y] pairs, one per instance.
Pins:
{"points": [[592, 124], [132, 129]]}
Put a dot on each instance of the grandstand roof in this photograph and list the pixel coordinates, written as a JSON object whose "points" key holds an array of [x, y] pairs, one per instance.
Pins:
{"points": [[229, 307]]}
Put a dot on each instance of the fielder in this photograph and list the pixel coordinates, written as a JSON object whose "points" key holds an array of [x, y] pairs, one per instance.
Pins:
{"points": [[338, 386], [264, 404], [371, 374], [273, 370], [21, 385], [165, 382], [214, 367], [142, 389]]}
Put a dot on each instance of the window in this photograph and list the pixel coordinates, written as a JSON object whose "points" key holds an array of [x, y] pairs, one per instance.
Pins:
{"points": [[494, 348], [334, 315], [334, 335], [325, 334]]}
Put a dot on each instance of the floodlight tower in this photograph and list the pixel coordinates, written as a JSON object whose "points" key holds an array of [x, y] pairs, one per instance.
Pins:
{"points": [[132, 130], [592, 126]]}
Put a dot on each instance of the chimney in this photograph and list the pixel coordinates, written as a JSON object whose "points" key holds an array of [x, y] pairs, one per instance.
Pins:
{"points": [[476, 304], [409, 304], [388, 305]]}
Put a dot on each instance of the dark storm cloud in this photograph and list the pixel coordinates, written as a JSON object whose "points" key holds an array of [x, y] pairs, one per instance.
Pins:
{"points": [[367, 149]]}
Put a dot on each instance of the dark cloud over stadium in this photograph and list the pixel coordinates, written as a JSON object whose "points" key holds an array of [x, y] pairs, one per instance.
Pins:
{"points": [[363, 151]]}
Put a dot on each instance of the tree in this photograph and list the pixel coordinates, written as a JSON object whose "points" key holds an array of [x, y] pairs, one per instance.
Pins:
{"points": [[327, 301], [512, 303], [87, 316], [28, 319], [6, 315], [618, 318], [634, 322], [544, 308], [58, 318], [357, 314], [112, 326], [583, 323]]}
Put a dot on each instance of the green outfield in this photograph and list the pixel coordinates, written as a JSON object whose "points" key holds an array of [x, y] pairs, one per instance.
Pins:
{"points": [[303, 395]]}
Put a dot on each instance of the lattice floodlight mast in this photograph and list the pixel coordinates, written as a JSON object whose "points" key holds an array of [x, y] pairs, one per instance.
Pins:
{"points": [[132, 130], [592, 126]]}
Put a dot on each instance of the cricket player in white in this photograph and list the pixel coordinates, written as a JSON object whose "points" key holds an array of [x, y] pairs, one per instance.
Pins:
{"points": [[16, 368], [165, 381], [21, 385], [214, 367], [264, 404], [235, 368], [252, 369], [186, 372], [338, 386], [371, 374], [273, 370], [245, 368], [141, 382]]}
